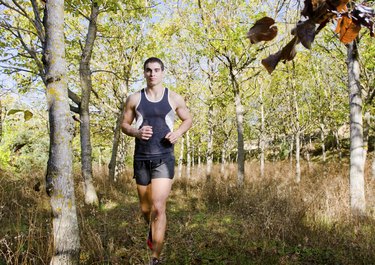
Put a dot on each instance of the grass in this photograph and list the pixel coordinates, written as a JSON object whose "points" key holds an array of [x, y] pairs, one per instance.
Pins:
{"points": [[271, 220]]}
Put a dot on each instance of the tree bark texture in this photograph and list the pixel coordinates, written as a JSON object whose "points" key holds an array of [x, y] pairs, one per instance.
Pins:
{"points": [[322, 139], [1, 121], [210, 142], [188, 155], [262, 132], [297, 136], [357, 181], [59, 178], [86, 87], [180, 158], [116, 143]]}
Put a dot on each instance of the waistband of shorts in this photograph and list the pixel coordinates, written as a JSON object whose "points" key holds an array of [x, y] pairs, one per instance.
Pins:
{"points": [[154, 157]]}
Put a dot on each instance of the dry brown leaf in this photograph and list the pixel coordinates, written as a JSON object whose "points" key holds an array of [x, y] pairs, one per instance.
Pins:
{"points": [[271, 61], [263, 30], [347, 29], [305, 31], [286, 54], [289, 51]]}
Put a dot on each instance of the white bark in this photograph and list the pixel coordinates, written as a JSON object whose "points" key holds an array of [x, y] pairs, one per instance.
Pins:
{"points": [[357, 181], [338, 144], [298, 164], [59, 178], [188, 155], [180, 158], [262, 132], [199, 158], [240, 141], [86, 87], [210, 142], [322, 139], [298, 133]]}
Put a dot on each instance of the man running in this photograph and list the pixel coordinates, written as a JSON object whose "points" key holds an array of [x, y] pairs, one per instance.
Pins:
{"points": [[154, 109]]}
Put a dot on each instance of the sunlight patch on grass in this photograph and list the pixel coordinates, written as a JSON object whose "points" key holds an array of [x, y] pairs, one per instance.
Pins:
{"points": [[108, 205]]}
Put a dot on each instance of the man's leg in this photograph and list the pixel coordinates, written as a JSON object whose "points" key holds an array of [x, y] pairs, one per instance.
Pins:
{"points": [[144, 194], [160, 189]]}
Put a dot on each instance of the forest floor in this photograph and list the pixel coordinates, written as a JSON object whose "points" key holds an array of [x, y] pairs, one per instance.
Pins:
{"points": [[270, 220]]}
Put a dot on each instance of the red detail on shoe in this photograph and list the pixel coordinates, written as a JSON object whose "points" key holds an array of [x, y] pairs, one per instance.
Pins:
{"points": [[149, 240]]}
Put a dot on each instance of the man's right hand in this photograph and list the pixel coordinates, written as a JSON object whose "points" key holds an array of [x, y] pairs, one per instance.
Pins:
{"points": [[145, 133]]}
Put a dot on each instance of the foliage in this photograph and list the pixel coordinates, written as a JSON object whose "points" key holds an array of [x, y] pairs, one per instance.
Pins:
{"points": [[24, 146]]}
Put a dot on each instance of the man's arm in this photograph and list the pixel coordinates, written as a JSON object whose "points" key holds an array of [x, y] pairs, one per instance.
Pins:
{"points": [[143, 133], [183, 113]]}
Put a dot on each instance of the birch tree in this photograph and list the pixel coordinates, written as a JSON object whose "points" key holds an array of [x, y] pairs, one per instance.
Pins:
{"points": [[357, 158], [59, 177], [84, 113]]}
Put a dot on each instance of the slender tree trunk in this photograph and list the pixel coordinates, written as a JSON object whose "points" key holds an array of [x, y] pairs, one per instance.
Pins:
{"points": [[193, 156], [357, 180], [322, 139], [188, 156], [298, 164], [298, 136], [308, 151], [291, 148], [262, 132], [59, 177], [210, 142], [1, 121], [240, 140], [222, 164], [224, 156], [338, 144], [115, 143], [199, 158], [181, 158], [86, 86]]}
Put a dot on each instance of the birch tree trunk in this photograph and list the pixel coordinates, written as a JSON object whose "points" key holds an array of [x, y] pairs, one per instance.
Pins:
{"points": [[199, 158], [240, 140], [262, 131], [322, 139], [86, 86], [1, 121], [180, 158], [298, 164], [298, 136], [222, 164], [115, 143], [188, 156], [59, 177], [357, 181], [210, 142]]}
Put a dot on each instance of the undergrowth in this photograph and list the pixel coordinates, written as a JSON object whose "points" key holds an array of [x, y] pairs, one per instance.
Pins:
{"points": [[270, 220]]}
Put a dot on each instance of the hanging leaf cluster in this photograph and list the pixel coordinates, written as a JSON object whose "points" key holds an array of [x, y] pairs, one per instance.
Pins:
{"points": [[316, 14]]}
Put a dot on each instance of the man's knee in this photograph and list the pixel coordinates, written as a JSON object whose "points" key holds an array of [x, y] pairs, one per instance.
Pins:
{"points": [[158, 209]]}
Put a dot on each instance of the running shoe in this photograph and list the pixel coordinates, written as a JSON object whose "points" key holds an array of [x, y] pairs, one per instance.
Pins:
{"points": [[155, 261], [149, 239]]}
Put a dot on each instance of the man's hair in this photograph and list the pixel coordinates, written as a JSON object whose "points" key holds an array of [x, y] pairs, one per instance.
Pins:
{"points": [[153, 60]]}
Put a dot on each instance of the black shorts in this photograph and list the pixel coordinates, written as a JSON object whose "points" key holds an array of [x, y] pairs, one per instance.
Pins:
{"points": [[145, 170]]}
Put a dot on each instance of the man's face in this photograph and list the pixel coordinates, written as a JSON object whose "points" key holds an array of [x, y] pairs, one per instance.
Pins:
{"points": [[153, 74]]}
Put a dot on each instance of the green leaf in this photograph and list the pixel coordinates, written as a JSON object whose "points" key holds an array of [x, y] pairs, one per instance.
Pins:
{"points": [[26, 113]]}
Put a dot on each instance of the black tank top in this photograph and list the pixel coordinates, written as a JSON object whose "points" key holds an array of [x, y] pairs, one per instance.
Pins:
{"points": [[159, 115]]}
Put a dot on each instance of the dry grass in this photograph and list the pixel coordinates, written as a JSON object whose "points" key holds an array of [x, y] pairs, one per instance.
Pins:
{"points": [[271, 220]]}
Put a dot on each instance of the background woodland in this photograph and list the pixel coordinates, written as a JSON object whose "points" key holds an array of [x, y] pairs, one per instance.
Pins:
{"points": [[267, 161]]}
